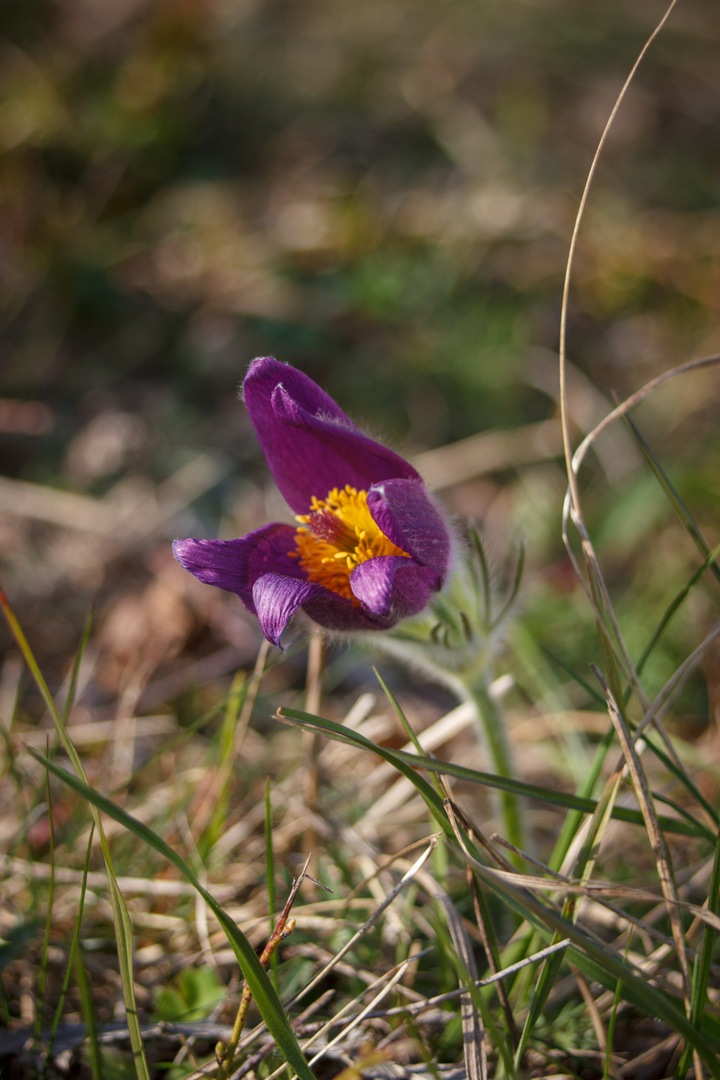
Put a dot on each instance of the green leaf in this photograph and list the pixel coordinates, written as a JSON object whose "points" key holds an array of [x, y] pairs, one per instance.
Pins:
{"points": [[196, 994]]}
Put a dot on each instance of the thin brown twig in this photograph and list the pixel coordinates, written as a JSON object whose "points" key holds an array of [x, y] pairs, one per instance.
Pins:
{"points": [[226, 1052]]}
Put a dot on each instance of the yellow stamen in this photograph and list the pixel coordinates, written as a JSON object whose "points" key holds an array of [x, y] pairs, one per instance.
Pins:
{"points": [[337, 535]]}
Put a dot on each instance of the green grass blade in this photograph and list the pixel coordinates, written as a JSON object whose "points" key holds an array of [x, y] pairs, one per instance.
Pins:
{"points": [[674, 605], [483, 600], [505, 1027], [573, 819], [123, 930], [701, 974], [223, 764], [563, 799], [583, 869], [452, 940], [617, 1001], [544, 984], [514, 588], [591, 691], [680, 810], [262, 989], [80, 652], [412, 737], [590, 955], [684, 779], [87, 1007], [494, 730], [394, 757], [124, 937], [270, 863], [599, 962], [42, 971], [71, 957], [679, 506]]}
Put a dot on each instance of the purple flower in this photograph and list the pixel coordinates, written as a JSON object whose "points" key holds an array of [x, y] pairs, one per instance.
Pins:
{"points": [[370, 547]]}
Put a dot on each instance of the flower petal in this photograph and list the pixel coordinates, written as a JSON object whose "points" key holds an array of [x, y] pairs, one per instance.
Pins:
{"points": [[270, 583], [277, 598], [310, 444], [336, 613], [392, 586], [236, 565], [404, 511]]}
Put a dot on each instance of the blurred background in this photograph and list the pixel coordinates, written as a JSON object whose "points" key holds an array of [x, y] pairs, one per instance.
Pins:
{"points": [[382, 194]]}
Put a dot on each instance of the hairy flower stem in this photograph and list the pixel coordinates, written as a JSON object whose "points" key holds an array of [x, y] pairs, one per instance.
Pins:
{"points": [[492, 725]]}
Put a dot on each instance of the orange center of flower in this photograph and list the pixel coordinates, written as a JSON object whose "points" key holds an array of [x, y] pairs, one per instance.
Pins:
{"points": [[336, 536]]}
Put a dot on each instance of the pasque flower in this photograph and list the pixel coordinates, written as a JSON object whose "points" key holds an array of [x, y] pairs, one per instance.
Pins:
{"points": [[369, 547]]}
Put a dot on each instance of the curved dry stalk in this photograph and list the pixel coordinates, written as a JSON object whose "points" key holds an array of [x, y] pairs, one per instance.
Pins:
{"points": [[474, 1041], [639, 395], [572, 505], [564, 417], [572, 512]]}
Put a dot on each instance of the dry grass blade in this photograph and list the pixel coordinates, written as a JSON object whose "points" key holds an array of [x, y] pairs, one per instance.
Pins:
{"points": [[456, 815], [588, 950], [488, 452], [474, 1043], [650, 1057], [615, 651], [386, 982], [370, 921], [482, 921], [592, 954], [634, 399], [594, 1014], [96, 880], [416, 1008], [604, 891], [399, 241], [572, 509], [654, 834]]}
